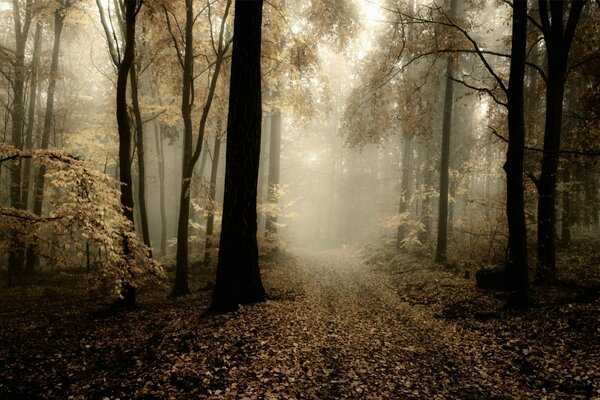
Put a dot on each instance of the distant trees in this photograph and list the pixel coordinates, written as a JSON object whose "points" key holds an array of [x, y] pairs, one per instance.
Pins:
{"points": [[238, 274]]}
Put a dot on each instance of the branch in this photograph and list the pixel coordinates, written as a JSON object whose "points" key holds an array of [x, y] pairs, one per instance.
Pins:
{"points": [[114, 55], [25, 215], [536, 149], [177, 49], [480, 89]]}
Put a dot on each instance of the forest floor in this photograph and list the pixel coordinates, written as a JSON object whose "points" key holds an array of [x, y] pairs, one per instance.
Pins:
{"points": [[338, 324]]}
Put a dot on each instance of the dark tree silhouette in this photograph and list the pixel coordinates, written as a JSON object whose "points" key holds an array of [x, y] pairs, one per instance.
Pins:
{"points": [[442, 237], [558, 36], [238, 274], [131, 9], [516, 268]]}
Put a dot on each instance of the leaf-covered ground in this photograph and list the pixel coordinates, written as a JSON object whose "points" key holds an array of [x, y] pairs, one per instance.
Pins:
{"points": [[335, 326]]}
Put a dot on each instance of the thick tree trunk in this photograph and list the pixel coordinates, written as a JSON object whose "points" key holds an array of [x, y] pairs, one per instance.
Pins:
{"points": [[273, 182], [210, 221], [128, 291], [516, 267], [558, 40], [139, 131], [238, 273]]}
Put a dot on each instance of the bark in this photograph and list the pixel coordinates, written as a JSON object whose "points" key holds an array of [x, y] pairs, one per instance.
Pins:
{"points": [[273, 180], [128, 291], [516, 267], [139, 132], [210, 221], [558, 40], [238, 273]]}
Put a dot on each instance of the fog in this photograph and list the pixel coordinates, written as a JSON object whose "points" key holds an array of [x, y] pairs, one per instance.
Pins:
{"points": [[359, 94]]}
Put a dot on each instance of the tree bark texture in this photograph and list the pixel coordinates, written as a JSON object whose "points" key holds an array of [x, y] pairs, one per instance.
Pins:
{"points": [[238, 274]]}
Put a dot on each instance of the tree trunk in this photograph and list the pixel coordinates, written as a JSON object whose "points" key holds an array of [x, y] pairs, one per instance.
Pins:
{"points": [[15, 262], [516, 266], [426, 206], [558, 45], [238, 273], [128, 291], [442, 235], [274, 161], [210, 221], [567, 208], [139, 131], [31, 113], [38, 200], [181, 286], [49, 113], [407, 155], [158, 141]]}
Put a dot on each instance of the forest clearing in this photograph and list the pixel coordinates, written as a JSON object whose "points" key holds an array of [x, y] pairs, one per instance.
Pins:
{"points": [[285, 199], [333, 327]]}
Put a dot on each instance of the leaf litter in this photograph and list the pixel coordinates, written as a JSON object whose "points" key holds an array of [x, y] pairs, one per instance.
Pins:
{"points": [[335, 326]]}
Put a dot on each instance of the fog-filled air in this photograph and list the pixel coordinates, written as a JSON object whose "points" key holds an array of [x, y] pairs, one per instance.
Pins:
{"points": [[286, 199]]}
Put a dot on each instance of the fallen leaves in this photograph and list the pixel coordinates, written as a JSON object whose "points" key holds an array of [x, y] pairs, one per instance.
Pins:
{"points": [[333, 328]]}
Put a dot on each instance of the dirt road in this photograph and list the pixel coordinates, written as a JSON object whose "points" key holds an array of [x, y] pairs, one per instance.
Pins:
{"points": [[333, 328]]}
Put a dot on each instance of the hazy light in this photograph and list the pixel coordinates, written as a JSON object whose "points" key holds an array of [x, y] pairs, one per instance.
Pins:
{"points": [[371, 12]]}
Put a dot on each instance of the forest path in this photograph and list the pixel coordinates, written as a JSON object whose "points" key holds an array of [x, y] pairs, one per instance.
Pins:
{"points": [[375, 345]]}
